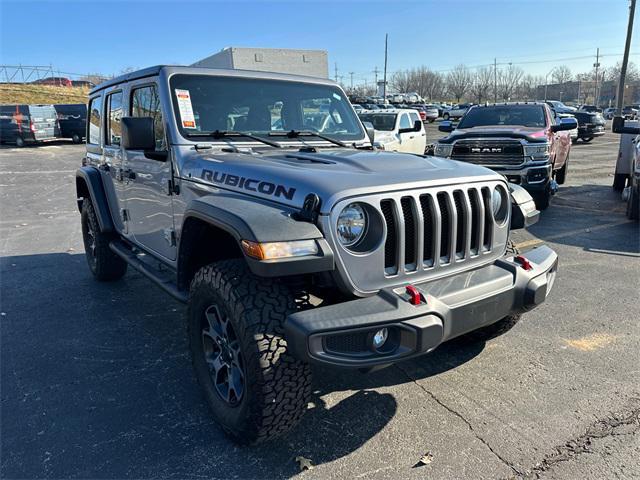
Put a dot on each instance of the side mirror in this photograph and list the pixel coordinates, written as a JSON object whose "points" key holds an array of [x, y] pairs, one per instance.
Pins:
{"points": [[445, 126], [565, 124], [138, 133], [371, 133], [618, 127], [417, 125]]}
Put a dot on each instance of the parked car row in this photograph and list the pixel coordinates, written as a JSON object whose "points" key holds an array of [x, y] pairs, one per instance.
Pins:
{"points": [[28, 124]]}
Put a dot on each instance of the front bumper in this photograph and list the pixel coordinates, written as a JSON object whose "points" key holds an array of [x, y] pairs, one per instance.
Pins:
{"points": [[533, 177], [340, 335]]}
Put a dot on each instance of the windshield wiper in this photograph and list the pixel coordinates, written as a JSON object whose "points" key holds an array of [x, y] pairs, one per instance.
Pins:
{"points": [[308, 133], [217, 134]]}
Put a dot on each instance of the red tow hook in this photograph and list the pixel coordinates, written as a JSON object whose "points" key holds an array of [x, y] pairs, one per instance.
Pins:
{"points": [[523, 262], [415, 297]]}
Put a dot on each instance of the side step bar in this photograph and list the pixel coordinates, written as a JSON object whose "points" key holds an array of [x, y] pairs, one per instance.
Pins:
{"points": [[123, 251]]}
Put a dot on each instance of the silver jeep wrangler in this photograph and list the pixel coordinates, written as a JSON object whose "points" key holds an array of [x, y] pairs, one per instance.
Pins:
{"points": [[257, 200]]}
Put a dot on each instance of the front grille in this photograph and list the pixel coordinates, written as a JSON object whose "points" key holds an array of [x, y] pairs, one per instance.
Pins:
{"points": [[489, 152], [439, 228], [347, 343]]}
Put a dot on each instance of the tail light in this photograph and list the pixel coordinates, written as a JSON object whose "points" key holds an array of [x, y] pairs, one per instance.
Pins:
{"points": [[32, 126]]}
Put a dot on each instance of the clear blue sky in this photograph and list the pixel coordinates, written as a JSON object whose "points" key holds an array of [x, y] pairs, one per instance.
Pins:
{"points": [[106, 37]]}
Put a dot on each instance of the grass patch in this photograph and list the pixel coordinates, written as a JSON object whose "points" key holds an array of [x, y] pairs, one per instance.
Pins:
{"points": [[12, 93]]}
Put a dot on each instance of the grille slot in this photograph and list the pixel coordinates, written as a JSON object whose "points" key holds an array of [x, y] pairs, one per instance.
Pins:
{"points": [[434, 230], [488, 217], [475, 220], [429, 229], [347, 343], [445, 225], [409, 232], [390, 245], [461, 217]]}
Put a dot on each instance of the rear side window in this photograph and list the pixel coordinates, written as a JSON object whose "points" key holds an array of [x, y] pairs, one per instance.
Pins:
{"points": [[146, 103], [414, 118], [404, 121], [114, 118], [95, 117]]}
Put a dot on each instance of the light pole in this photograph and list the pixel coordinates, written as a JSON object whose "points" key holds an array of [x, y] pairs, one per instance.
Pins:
{"points": [[546, 83]]}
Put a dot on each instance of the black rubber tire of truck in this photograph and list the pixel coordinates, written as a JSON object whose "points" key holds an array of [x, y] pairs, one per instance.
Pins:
{"points": [[542, 199], [105, 265], [498, 328], [276, 387], [633, 203], [561, 174]]}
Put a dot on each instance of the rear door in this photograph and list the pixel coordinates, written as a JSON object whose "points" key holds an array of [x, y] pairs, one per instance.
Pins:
{"points": [[406, 139], [148, 192], [44, 121]]}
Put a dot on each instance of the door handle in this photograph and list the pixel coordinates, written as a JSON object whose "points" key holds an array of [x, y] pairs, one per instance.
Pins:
{"points": [[411, 137]]}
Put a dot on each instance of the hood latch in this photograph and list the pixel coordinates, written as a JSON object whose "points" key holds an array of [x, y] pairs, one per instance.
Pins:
{"points": [[310, 209]]}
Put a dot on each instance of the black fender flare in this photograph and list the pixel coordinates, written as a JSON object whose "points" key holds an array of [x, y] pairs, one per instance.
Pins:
{"points": [[248, 218], [523, 208], [89, 182]]}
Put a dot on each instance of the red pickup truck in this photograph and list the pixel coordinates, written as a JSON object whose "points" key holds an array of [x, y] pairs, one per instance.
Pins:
{"points": [[523, 141]]}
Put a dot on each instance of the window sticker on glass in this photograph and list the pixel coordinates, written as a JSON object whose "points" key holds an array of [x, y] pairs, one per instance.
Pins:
{"points": [[337, 97], [186, 111]]}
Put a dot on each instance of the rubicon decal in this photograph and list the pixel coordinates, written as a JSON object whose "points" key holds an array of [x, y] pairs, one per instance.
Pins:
{"points": [[250, 184]]}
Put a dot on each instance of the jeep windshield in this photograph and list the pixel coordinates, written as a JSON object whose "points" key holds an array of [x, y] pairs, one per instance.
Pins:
{"points": [[516, 115], [206, 104]]}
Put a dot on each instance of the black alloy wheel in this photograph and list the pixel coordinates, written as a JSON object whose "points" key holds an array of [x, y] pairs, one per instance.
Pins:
{"points": [[223, 356]]}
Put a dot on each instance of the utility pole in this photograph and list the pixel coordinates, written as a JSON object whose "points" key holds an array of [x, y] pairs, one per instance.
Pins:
{"points": [[351, 75], [336, 70], [384, 84], [596, 65], [495, 80], [625, 60], [375, 72]]}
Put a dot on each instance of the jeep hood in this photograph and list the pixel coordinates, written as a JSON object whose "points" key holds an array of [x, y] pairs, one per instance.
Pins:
{"points": [[288, 176], [531, 134]]}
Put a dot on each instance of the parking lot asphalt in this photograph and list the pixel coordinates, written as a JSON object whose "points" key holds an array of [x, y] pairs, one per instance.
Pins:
{"points": [[96, 381]]}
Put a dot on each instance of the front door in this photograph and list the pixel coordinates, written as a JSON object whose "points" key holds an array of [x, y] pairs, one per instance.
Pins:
{"points": [[148, 192]]}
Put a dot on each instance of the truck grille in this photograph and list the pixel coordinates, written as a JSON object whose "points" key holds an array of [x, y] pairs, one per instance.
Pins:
{"points": [[435, 229], [489, 152]]}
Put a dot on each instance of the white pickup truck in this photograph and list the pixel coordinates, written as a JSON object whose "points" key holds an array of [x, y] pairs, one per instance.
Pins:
{"points": [[397, 130]]}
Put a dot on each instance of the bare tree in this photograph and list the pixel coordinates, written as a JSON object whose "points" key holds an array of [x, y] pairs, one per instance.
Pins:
{"points": [[508, 80], [613, 73], [459, 81], [481, 84], [401, 81], [561, 74]]}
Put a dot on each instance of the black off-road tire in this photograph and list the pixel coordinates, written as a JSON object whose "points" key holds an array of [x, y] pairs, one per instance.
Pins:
{"points": [[105, 265], [76, 138], [542, 199], [619, 181], [561, 175], [501, 326], [277, 387], [633, 203], [20, 142], [587, 139]]}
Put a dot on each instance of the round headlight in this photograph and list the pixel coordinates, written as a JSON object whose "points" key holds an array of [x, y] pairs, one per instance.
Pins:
{"points": [[499, 204], [352, 224]]}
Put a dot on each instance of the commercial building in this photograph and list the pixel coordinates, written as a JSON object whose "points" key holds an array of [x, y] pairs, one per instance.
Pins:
{"points": [[312, 63]]}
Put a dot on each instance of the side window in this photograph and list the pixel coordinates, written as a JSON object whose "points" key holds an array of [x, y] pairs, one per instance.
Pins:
{"points": [[114, 117], [404, 121], [145, 102], [95, 116], [414, 117]]}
